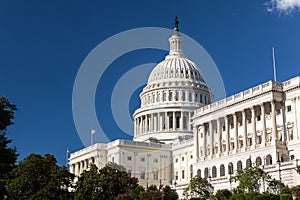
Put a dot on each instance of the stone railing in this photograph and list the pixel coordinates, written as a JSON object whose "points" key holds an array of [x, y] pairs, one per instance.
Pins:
{"points": [[268, 86]]}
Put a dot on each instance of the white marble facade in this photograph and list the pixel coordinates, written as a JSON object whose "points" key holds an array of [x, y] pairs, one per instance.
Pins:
{"points": [[179, 133]]}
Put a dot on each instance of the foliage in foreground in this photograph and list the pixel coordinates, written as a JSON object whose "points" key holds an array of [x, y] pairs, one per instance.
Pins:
{"points": [[198, 188], [39, 177], [8, 161], [105, 183]]}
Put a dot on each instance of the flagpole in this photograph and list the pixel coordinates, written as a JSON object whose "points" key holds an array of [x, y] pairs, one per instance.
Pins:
{"points": [[67, 156], [93, 131], [274, 63]]}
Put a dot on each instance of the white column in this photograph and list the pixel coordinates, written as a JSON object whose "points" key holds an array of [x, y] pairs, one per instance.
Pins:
{"points": [[245, 129], [180, 95], [264, 130], [236, 139], [211, 134], [253, 126], [193, 96], [296, 116], [151, 124], [204, 141], [167, 95], [155, 122], [274, 123], [148, 170], [166, 122], [160, 121], [189, 122], [227, 134], [140, 125], [76, 169], [181, 120], [196, 142], [186, 94], [219, 135]]}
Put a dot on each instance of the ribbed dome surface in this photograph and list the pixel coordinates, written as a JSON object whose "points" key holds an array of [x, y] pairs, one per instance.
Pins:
{"points": [[176, 66]]}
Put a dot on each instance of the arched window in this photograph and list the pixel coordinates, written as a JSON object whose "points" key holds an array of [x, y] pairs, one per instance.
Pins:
{"points": [[222, 170], [230, 168], [239, 165], [206, 172], [268, 159], [258, 161], [248, 162], [214, 172], [199, 172]]}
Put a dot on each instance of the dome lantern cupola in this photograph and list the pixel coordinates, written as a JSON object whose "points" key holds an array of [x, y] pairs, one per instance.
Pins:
{"points": [[176, 41]]}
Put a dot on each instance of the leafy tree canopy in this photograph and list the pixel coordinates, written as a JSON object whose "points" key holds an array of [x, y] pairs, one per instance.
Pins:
{"points": [[8, 155], [6, 113], [38, 177], [198, 187], [223, 194], [106, 183], [249, 179]]}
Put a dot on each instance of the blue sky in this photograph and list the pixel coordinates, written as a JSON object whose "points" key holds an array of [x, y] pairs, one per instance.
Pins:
{"points": [[43, 44]]}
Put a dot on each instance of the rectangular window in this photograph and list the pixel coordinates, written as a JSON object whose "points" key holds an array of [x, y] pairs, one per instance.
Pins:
{"points": [[176, 175], [143, 175], [155, 175], [278, 112], [258, 118], [182, 174], [143, 159], [129, 173], [129, 158], [289, 108], [155, 160]]}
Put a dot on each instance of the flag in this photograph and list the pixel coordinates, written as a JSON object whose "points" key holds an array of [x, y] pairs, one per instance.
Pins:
{"points": [[93, 131]]}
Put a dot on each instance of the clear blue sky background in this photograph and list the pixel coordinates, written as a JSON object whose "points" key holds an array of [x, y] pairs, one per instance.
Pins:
{"points": [[43, 43]]}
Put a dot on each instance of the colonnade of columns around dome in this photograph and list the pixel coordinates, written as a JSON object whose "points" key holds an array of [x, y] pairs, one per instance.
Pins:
{"points": [[242, 130], [166, 121], [175, 115]]}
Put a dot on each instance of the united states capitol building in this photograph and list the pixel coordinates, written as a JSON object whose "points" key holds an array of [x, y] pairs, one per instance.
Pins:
{"points": [[179, 132]]}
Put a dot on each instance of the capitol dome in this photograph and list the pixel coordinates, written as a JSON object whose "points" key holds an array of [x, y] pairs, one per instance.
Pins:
{"points": [[175, 88]]}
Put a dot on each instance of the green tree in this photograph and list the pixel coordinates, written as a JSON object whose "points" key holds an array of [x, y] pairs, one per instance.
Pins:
{"points": [[168, 193], [8, 161], [223, 194], [275, 186], [198, 187], [39, 177], [106, 183], [249, 179], [152, 193], [7, 111], [294, 191]]}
